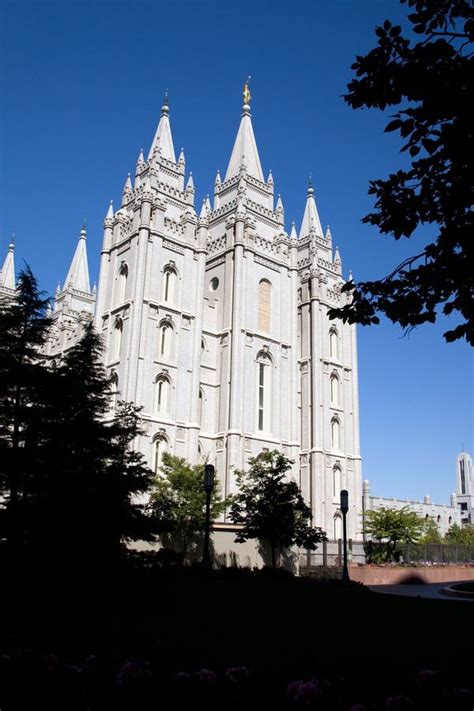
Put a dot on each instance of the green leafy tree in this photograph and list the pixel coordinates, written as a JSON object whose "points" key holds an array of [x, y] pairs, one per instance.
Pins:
{"points": [[25, 386], [431, 532], [463, 535], [271, 508], [178, 502], [392, 527], [431, 83]]}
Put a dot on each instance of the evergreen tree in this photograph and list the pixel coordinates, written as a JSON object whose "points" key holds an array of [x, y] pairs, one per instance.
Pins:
{"points": [[90, 491], [25, 385], [271, 508], [179, 502]]}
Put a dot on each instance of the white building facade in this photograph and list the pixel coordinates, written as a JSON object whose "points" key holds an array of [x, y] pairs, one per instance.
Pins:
{"points": [[216, 325]]}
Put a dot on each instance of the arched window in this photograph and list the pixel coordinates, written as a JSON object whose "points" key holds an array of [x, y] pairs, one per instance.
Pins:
{"points": [[450, 520], [333, 344], [165, 335], [201, 398], [122, 283], [113, 391], [336, 481], [438, 520], [264, 368], [117, 339], [337, 527], [160, 445], [162, 398], [264, 306], [169, 285], [335, 434], [334, 390]]}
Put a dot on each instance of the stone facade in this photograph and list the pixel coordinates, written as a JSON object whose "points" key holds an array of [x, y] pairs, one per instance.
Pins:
{"points": [[444, 515], [216, 325]]}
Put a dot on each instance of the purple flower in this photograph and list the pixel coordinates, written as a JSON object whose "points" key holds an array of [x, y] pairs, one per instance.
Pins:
{"points": [[206, 676]]}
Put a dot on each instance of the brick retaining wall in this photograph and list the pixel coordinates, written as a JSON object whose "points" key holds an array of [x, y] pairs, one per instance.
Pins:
{"points": [[374, 575]]}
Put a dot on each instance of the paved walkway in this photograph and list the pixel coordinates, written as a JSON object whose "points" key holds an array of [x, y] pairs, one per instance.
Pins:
{"points": [[432, 590]]}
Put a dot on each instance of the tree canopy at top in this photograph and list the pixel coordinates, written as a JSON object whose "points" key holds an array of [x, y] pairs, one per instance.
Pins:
{"points": [[431, 81]]}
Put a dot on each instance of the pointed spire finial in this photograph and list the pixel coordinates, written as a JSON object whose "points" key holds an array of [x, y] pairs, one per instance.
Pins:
{"points": [[165, 109], [270, 177], [310, 185], [83, 232], [246, 95], [181, 158], [218, 178], [190, 183], [293, 233], [11, 246], [110, 211]]}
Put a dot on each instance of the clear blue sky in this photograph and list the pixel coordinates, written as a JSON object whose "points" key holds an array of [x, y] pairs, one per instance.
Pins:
{"points": [[82, 85]]}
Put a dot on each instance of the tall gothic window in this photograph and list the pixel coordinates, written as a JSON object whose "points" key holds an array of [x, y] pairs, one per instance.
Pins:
{"points": [[263, 393], [264, 306], [169, 285], [334, 382], [337, 525], [201, 398], [162, 397], [335, 434], [160, 445], [114, 381], [117, 339], [336, 481], [122, 283], [165, 334], [333, 344]]}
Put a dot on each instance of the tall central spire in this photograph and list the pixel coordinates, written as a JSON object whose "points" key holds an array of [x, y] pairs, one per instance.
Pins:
{"points": [[245, 152], [163, 138]]}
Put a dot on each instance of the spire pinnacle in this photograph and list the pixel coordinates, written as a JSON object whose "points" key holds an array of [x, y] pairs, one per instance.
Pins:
{"points": [[245, 153], [181, 158], [311, 222], [293, 233], [163, 140], [165, 109], [78, 274], [270, 178], [110, 211], [218, 180], [7, 273], [190, 183]]}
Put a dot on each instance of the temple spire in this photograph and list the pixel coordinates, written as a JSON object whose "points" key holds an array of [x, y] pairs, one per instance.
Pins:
{"points": [[7, 274], [163, 140], [245, 152], [78, 274], [311, 221]]}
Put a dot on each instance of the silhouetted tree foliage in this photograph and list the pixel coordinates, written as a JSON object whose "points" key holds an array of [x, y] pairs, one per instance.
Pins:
{"points": [[432, 82], [89, 495], [271, 508], [70, 480], [178, 502], [24, 392]]}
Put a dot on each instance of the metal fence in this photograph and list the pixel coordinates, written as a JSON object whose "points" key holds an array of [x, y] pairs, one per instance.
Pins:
{"points": [[436, 553]]}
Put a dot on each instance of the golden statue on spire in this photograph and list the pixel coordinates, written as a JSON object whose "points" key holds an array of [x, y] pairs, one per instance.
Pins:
{"points": [[247, 96]]}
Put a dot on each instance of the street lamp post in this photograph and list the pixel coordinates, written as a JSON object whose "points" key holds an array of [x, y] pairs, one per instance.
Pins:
{"points": [[208, 486], [344, 510]]}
